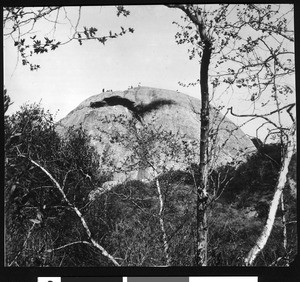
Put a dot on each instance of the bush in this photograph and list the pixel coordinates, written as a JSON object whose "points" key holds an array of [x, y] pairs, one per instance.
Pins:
{"points": [[37, 218]]}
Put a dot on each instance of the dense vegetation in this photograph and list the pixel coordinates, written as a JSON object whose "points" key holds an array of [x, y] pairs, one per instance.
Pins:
{"points": [[37, 218], [240, 213], [41, 230]]}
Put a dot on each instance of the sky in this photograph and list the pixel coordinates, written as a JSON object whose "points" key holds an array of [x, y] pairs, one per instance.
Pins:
{"points": [[72, 73]]}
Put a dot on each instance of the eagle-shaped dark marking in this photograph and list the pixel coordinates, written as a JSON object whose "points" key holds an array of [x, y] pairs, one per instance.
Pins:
{"points": [[138, 111]]}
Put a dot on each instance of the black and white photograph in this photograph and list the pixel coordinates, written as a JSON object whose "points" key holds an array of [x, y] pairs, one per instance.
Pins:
{"points": [[150, 136]]}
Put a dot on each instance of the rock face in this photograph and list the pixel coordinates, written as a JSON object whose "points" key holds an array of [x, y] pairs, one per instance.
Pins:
{"points": [[180, 118]]}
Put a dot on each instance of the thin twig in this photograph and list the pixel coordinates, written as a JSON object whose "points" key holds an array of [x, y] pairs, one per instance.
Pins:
{"points": [[67, 245], [76, 210]]}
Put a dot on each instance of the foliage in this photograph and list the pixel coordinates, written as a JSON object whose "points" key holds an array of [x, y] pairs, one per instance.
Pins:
{"points": [[252, 54], [151, 147], [242, 210], [132, 226], [231, 234], [257, 176], [133, 233], [125, 219], [37, 218], [229, 26], [20, 22]]}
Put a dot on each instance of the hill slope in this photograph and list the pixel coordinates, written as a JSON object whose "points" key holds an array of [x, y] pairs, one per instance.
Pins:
{"points": [[181, 118]]}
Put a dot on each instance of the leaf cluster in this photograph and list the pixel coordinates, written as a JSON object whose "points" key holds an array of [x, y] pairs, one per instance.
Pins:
{"points": [[255, 62], [20, 22]]}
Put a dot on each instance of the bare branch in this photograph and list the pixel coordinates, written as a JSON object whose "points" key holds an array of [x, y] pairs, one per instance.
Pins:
{"points": [[75, 209], [67, 245], [264, 116]]}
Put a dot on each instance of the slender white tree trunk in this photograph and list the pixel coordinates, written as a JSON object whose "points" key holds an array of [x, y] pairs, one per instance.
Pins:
{"points": [[162, 224], [284, 230], [263, 238]]}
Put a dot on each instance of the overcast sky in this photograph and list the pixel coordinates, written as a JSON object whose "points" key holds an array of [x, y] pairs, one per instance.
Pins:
{"points": [[72, 73]]}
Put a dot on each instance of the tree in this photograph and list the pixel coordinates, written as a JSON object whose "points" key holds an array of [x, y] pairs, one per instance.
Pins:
{"points": [[20, 22], [248, 196], [278, 196], [240, 60], [152, 152], [47, 182], [205, 42], [239, 47]]}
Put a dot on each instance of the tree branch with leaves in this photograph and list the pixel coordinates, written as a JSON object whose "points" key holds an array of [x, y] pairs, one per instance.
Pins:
{"points": [[241, 46], [19, 23]]}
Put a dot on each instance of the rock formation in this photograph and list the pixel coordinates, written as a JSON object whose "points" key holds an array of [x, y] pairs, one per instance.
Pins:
{"points": [[181, 118]]}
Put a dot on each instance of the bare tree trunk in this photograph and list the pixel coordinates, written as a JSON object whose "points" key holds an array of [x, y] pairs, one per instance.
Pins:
{"points": [[162, 224], [198, 19], [202, 229], [284, 230], [202, 196], [262, 240]]}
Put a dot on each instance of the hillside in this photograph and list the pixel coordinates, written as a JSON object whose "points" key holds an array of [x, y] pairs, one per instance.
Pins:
{"points": [[181, 119], [61, 196]]}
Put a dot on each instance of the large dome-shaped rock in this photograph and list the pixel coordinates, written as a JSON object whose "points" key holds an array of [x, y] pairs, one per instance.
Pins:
{"points": [[181, 118]]}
